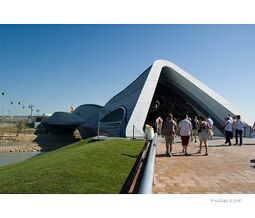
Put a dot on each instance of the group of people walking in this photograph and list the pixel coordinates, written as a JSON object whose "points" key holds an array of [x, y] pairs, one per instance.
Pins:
{"points": [[189, 129]]}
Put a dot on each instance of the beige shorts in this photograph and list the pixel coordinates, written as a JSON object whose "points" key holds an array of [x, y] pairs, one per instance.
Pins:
{"points": [[169, 140]]}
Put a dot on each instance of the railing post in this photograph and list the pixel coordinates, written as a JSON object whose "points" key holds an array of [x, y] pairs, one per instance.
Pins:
{"points": [[120, 128], [133, 131], [98, 128]]}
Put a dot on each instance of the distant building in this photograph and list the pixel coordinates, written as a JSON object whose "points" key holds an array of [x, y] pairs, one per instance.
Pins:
{"points": [[161, 89]]}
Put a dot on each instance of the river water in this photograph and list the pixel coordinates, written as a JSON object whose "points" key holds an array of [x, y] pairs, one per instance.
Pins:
{"points": [[13, 157]]}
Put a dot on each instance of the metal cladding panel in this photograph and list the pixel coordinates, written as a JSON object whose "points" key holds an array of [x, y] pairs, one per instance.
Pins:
{"points": [[64, 118], [89, 127], [200, 100], [208, 97], [87, 111], [128, 97]]}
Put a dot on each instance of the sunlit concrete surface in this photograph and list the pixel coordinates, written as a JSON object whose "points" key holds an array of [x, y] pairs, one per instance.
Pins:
{"points": [[227, 169], [125, 114]]}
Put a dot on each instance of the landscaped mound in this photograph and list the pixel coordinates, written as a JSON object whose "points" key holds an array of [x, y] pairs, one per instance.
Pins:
{"points": [[86, 167]]}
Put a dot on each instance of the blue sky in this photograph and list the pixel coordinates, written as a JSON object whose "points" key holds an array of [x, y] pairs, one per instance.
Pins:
{"points": [[56, 66]]}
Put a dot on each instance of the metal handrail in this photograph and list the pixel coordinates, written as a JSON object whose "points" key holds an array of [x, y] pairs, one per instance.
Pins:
{"points": [[131, 181], [147, 180]]}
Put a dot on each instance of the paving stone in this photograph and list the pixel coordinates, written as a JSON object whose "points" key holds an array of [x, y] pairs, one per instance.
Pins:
{"points": [[225, 171]]}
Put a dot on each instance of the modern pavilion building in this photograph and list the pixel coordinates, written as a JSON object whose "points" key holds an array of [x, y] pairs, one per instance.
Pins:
{"points": [[161, 89]]}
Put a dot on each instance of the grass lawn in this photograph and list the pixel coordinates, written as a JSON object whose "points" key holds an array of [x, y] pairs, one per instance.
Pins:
{"points": [[86, 167]]}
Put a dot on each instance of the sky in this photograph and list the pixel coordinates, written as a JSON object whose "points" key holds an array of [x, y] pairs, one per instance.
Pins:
{"points": [[55, 66]]}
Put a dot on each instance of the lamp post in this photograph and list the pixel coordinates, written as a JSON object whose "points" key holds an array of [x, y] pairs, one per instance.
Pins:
{"points": [[31, 108], [12, 111], [38, 112], [3, 93]]}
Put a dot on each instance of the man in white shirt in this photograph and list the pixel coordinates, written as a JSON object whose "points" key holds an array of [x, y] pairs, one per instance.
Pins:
{"points": [[231, 119], [234, 126], [185, 128], [228, 128], [239, 125]]}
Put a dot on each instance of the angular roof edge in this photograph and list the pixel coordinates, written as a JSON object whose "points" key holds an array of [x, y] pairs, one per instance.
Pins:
{"points": [[141, 109]]}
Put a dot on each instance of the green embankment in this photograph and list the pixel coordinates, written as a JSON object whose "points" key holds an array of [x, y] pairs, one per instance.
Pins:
{"points": [[84, 167]]}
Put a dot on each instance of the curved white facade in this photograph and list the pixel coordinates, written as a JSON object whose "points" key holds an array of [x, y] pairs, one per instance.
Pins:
{"points": [[137, 99], [195, 89]]}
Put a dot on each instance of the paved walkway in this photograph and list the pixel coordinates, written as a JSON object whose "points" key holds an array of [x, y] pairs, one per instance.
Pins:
{"points": [[226, 170]]}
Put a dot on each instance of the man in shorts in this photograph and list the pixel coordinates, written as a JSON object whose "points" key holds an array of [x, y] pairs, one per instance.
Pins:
{"points": [[195, 124], [185, 128], [169, 131]]}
